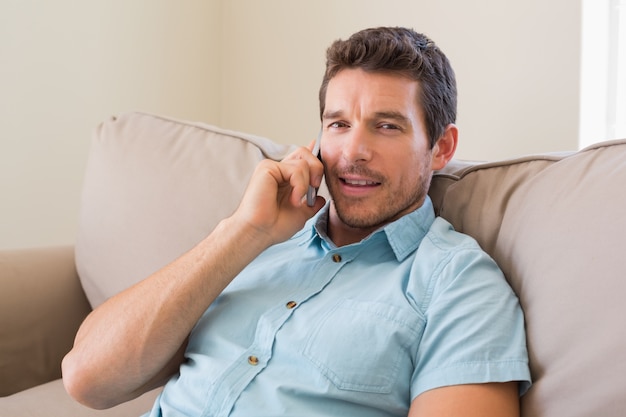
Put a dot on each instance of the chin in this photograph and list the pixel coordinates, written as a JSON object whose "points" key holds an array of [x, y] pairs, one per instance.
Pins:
{"points": [[354, 215], [361, 219]]}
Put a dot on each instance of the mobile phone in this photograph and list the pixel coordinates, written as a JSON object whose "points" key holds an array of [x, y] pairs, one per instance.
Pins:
{"points": [[312, 191]]}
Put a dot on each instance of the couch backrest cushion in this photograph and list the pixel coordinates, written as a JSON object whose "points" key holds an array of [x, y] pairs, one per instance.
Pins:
{"points": [[556, 225], [153, 188]]}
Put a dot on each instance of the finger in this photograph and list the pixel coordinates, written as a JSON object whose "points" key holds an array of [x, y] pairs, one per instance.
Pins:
{"points": [[299, 181], [302, 177], [314, 166], [300, 152], [291, 178]]}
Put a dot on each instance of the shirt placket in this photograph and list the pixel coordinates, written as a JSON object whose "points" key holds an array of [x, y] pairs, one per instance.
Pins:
{"points": [[251, 362]]}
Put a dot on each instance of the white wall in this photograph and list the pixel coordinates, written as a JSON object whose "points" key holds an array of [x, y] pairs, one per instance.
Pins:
{"points": [[67, 65], [253, 66]]}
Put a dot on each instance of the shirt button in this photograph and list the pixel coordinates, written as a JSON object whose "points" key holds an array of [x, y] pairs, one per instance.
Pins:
{"points": [[291, 304], [336, 258], [253, 360]]}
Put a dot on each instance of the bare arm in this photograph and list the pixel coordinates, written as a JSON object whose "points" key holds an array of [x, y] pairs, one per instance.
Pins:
{"points": [[473, 400], [136, 340]]}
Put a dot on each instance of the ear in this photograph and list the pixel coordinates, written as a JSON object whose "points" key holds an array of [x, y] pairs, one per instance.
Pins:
{"points": [[444, 149]]}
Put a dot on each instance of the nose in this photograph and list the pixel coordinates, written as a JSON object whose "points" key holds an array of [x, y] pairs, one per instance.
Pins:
{"points": [[357, 146]]}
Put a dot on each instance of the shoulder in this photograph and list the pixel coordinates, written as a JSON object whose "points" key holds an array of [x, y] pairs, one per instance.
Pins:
{"points": [[443, 236], [474, 329], [449, 262], [443, 249]]}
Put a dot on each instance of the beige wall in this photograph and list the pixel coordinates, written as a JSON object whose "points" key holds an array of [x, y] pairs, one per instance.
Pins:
{"points": [[254, 66], [65, 66]]}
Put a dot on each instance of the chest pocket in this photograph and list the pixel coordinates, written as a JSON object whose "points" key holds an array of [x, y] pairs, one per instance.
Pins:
{"points": [[365, 346]]}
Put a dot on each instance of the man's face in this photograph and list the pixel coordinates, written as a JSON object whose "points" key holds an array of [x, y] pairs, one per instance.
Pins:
{"points": [[375, 149]]}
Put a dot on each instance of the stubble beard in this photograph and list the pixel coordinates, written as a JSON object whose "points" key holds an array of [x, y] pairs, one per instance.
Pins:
{"points": [[388, 206]]}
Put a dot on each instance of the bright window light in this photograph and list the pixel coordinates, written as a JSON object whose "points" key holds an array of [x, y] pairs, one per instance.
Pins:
{"points": [[617, 96], [603, 71]]}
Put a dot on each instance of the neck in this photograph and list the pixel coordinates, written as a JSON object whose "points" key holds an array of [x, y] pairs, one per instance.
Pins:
{"points": [[342, 234]]}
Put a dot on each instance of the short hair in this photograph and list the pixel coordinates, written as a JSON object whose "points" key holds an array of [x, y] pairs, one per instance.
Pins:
{"points": [[401, 51]]}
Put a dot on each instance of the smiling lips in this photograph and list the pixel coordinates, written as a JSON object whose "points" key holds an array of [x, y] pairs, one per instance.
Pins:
{"points": [[359, 183]]}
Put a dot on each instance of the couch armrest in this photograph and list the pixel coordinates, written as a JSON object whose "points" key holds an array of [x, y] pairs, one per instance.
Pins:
{"points": [[41, 306]]}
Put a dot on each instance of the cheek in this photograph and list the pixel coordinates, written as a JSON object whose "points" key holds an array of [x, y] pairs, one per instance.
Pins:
{"points": [[406, 162], [412, 170], [328, 147], [329, 156]]}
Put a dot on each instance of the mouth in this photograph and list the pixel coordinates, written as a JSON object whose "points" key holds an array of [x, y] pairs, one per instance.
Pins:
{"points": [[359, 182]]}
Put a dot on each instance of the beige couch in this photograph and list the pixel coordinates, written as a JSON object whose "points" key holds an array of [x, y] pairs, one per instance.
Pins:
{"points": [[155, 186]]}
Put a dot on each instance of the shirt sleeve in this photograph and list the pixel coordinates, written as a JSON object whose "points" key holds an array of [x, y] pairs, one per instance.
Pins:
{"points": [[474, 330]]}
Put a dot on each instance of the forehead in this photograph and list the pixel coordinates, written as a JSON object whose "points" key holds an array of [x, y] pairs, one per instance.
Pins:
{"points": [[356, 89]]}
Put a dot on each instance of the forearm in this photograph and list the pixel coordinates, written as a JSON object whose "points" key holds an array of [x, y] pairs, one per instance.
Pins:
{"points": [[136, 339]]}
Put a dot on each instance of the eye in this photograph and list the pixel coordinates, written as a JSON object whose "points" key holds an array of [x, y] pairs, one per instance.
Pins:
{"points": [[389, 126], [338, 125]]}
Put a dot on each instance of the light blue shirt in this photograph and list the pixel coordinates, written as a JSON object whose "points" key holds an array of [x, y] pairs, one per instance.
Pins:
{"points": [[309, 329]]}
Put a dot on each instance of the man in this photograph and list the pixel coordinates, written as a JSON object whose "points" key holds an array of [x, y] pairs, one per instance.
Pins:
{"points": [[373, 308]]}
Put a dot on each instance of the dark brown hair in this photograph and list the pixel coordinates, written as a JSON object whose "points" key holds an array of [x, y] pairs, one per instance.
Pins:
{"points": [[408, 54]]}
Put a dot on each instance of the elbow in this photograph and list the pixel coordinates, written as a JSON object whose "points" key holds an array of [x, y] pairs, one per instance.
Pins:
{"points": [[80, 383]]}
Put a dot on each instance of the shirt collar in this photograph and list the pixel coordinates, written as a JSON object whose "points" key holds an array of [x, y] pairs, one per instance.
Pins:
{"points": [[403, 235]]}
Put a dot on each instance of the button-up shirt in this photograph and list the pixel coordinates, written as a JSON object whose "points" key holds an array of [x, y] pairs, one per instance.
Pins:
{"points": [[310, 329]]}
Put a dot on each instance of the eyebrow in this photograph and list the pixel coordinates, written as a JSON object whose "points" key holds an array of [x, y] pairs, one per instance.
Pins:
{"points": [[391, 114], [332, 114]]}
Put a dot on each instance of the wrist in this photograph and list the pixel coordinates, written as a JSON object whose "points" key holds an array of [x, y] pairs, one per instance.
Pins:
{"points": [[244, 235]]}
